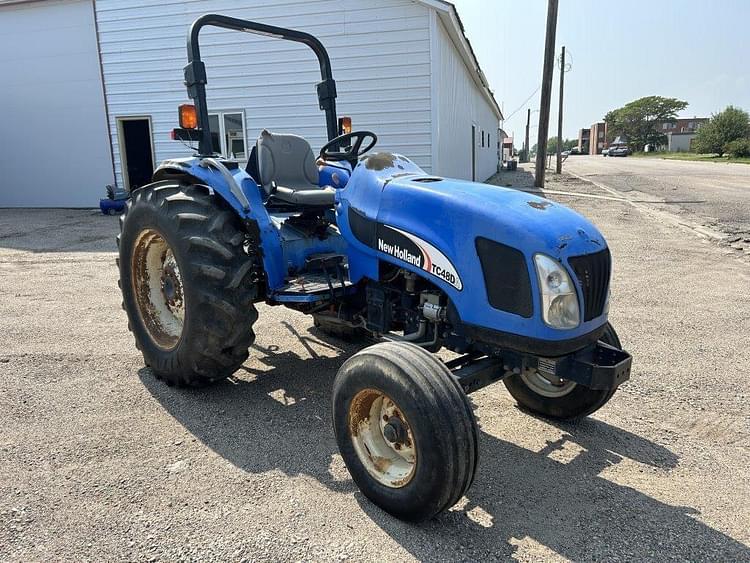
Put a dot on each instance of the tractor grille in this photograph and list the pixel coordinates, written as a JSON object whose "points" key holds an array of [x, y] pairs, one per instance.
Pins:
{"points": [[506, 277], [592, 271]]}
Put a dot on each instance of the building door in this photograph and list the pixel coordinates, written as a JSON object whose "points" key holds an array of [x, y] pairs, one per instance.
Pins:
{"points": [[136, 151], [473, 153]]}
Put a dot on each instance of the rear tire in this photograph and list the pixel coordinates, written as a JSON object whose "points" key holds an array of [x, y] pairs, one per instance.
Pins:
{"points": [[577, 402], [426, 461], [188, 285]]}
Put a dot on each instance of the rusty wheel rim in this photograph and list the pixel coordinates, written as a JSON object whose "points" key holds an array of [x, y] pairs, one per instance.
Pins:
{"points": [[382, 438], [158, 289]]}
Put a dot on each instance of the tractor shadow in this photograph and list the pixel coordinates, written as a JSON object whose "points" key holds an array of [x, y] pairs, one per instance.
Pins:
{"points": [[557, 498], [276, 416]]}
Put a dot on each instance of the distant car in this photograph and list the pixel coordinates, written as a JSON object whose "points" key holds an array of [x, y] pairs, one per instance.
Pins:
{"points": [[565, 153], [605, 152], [574, 150], [619, 150]]}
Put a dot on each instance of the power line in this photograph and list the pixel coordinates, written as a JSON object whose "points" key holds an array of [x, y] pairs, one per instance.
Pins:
{"points": [[524, 103]]}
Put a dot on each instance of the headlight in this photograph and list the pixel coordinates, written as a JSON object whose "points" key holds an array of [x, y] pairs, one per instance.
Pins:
{"points": [[559, 298]]}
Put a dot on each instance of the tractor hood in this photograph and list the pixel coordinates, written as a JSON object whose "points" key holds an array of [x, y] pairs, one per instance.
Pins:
{"points": [[440, 226], [451, 213], [453, 210]]}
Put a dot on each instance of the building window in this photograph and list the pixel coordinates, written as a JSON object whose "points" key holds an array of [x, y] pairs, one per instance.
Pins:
{"points": [[228, 134], [601, 134]]}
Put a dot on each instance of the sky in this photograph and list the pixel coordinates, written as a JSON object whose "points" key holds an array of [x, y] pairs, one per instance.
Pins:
{"points": [[696, 51]]}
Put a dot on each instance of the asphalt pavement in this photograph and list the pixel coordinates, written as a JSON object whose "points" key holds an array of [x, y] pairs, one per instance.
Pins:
{"points": [[713, 195], [99, 461]]}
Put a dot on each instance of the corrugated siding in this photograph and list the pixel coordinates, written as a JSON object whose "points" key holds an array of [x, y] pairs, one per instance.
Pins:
{"points": [[460, 104], [380, 52]]}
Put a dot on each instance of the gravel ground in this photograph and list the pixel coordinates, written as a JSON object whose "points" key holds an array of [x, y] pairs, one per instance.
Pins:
{"points": [[100, 461]]}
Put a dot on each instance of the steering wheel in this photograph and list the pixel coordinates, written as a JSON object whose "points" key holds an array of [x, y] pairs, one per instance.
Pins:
{"points": [[354, 141]]}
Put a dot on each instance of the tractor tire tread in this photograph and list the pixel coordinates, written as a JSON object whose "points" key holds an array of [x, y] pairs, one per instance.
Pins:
{"points": [[208, 236], [440, 404]]}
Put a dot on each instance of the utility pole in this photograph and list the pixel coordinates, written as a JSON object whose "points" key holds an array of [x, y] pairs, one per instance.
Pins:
{"points": [[549, 63], [527, 150], [560, 113]]}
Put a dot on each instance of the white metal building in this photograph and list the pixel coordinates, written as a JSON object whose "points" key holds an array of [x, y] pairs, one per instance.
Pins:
{"points": [[54, 147], [404, 69], [681, 142]]}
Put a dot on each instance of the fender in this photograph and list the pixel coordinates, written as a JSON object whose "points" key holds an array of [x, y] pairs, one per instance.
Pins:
{"points": [[194, 171], [242, 194]]}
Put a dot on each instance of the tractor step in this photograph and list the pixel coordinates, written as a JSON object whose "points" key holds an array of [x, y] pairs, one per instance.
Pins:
{"points": [[307, 288]]}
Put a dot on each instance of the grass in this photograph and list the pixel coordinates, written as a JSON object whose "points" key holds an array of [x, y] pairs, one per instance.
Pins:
{"points": [[692, 156]]}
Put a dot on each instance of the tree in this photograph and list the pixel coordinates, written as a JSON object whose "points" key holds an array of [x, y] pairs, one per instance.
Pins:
{"points": [[732, 124], [639, 121], [738, 148], [567, 144]]}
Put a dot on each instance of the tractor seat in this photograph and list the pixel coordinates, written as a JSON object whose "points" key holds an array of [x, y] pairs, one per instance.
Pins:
{"points": [[287, 171]]}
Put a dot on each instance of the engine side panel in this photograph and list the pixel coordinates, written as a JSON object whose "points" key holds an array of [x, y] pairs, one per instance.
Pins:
{"points": [[438, 221]]}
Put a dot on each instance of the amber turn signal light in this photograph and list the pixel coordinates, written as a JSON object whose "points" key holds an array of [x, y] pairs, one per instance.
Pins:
{"points": [[345, 125], [188, 117]]}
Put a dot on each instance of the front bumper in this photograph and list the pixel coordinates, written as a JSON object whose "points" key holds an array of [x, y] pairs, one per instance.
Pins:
{"points": [[599, 366], [532, 346]]}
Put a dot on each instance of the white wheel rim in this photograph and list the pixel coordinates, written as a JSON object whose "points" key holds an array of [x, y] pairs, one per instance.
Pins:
{"points": [[158, 289], [547, 386], [382, 438]]}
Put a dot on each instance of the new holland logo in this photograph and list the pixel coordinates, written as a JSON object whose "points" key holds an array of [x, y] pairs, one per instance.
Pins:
{"points": [[417, 252], [400, 253]]}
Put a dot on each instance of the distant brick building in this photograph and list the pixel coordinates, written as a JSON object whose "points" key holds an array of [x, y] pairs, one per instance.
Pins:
{"points": [[681, 133], [583, 140], [683, 125], [598, 138]]}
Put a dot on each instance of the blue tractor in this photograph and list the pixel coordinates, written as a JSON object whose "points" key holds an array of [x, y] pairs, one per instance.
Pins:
{"points": [[369, 245]]}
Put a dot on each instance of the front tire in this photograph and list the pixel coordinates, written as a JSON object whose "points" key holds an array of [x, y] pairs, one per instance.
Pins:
{"points": [[560, 400], [405, 430], [187, 283]]}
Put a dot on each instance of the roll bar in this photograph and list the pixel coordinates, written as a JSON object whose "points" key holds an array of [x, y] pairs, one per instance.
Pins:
{"points": [[195, 71]]}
